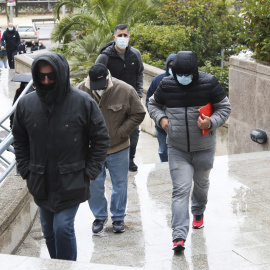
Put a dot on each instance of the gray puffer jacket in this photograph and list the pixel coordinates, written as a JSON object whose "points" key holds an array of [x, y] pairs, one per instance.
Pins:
{"points": [[180, 104]]}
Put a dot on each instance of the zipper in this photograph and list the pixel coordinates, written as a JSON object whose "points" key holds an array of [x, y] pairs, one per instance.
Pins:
{"points": [[188, 141]]}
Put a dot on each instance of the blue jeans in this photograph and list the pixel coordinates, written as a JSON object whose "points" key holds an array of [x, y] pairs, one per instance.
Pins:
{"points": [[3, 62], [58, 231], [185, 167], [162, 149], [117, 165]]}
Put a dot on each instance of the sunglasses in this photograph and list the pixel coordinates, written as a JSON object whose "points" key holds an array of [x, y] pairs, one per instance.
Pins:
{"points": [[51, 76], [185, 75]]}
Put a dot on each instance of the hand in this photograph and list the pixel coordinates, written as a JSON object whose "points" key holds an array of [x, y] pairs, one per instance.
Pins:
{"points": [[164, 122], [203, 123], [2, 47]]}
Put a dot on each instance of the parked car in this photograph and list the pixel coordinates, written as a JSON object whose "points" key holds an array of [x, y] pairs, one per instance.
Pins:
{"points": [[28, 32]]}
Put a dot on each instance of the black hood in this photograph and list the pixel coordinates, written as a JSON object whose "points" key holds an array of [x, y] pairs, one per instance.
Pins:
{"points": [[61, 69], [185, 62]]}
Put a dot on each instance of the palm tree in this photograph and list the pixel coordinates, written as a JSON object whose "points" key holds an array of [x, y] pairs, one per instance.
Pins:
{"points": [[90, 26]]}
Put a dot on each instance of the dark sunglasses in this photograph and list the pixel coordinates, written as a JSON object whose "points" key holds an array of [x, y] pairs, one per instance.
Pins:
{"points": [[185, 75], [169, 66], [51, 76]]}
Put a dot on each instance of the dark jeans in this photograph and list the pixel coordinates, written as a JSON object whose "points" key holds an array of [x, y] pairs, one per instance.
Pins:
{"points": [[58, 231], [134, 138], [10, 56]]}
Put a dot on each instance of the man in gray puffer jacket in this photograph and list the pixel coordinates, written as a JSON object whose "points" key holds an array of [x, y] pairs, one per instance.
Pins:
{"points": [[174, 107]]}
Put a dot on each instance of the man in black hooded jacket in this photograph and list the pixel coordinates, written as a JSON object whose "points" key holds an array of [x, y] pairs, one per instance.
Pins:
{"points": [[12, 39], [60, 142]]}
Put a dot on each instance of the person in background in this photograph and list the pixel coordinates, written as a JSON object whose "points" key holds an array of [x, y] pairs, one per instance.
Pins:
{"points": [[160, 132], [174, 107], [12, 39], [22, 47], [124, 63], [123, 111], [41, 45], [3, 57], [34, 46], [61, 142]]}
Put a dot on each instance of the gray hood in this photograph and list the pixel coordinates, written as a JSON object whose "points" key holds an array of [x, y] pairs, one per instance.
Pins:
{"points": [[61, 69]]}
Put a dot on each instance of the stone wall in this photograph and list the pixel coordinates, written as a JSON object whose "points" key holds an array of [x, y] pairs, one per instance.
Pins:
{"points": [[29, 7], [250, 98]]}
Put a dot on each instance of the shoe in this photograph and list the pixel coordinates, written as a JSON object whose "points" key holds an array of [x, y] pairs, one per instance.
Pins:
{"points": [[98, 226], [197, 222], [132, 166], [118, 226], [178, 244]]}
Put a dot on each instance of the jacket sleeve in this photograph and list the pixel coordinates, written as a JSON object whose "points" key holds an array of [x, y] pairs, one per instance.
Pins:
{"points": [[136, 114], [21, 143], [221, 113], [18, 39], [150, 92], [3, 39], [156, 106], [102, 59], [99, 141], [139, 79]]}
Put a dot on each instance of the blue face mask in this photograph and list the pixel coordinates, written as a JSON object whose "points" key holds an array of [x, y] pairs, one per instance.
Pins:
{"points": [[10, 28], [184, 79], [170, 71]]}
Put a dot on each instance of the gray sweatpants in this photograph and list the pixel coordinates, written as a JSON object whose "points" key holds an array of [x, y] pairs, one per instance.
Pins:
{"points": [[183, 168]]}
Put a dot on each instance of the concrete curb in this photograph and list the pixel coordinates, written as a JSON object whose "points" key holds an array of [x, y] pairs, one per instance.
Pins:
{"points": [[17, 213]]}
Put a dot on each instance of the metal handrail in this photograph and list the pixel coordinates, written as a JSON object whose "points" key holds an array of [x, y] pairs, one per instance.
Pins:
{"points": [[8, 140]]}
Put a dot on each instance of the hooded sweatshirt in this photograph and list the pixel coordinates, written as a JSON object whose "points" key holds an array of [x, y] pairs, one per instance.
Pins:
{"points": [[60, 139]]}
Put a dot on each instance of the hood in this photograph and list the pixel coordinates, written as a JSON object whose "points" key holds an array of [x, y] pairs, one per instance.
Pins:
{"points": [[169, 59], [61, 69], [185, 62]]}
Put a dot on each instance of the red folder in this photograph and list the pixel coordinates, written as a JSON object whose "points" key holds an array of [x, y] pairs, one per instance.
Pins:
{"points": [[206, 110]]}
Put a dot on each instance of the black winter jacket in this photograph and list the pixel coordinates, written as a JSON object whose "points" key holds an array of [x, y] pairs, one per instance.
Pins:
{"points": [[12, 39], [129, 70], [60, 147]]}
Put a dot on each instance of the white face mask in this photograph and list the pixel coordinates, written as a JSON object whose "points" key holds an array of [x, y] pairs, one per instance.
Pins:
{"points": [[122, 42], [170, 71]]}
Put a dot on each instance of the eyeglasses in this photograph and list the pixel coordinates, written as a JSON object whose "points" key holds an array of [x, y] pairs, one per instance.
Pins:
{"points": [[51, 76], [185, 75]]}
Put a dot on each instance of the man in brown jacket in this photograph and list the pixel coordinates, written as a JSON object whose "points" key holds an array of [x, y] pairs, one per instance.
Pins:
{"points": [[122, 110]]}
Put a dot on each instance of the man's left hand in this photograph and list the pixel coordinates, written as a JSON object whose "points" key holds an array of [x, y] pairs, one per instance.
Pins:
{"points": [[203, 123]]}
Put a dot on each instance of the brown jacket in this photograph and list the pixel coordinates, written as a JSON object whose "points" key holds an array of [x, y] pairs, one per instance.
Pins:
{"points": [[122, 110]]}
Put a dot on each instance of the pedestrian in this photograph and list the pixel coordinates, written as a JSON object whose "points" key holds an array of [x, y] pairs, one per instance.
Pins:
{"points": [[12, 39], [3, 57], [22, 47], [174, 107], [60, 142], [41, 45], [160, 132], [123, 111], [125, 63], [34, 46]]}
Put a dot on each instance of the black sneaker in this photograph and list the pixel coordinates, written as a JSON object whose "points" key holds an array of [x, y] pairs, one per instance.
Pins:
{"points": [[118, 226], [132, 166], [98, 226]]}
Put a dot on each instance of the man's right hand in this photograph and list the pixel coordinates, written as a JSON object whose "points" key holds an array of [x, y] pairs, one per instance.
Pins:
{"points": [[164, 122], [2, 47]]}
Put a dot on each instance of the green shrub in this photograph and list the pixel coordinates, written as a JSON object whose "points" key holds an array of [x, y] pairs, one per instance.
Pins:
{"points": [[256, 30], [222, 74]]}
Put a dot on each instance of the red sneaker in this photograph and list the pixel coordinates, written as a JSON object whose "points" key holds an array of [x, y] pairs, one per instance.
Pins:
{"points": [[178, 244], [197, 222]]}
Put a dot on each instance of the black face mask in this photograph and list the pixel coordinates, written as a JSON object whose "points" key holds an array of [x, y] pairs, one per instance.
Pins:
{"points": [[47, 93]]}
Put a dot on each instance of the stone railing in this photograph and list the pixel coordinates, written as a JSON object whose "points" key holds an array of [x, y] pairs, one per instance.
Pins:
{"points": [[249, 97]]}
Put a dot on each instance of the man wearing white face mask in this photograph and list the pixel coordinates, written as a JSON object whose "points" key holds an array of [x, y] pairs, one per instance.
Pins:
{"points": [[124, 63], [174, 107], [12, 39], [122, 110]]}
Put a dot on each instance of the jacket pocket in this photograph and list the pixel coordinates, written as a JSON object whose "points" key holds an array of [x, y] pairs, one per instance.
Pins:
{"points": [[115, 108], [36, 181], [73, 180]]}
